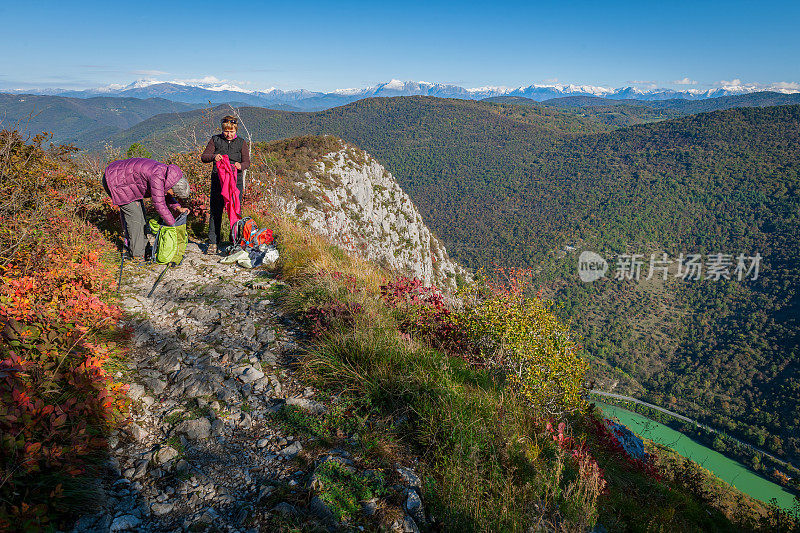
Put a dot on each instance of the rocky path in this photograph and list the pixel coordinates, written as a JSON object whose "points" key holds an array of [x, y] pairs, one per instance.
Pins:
{"points": [[210, 369]]}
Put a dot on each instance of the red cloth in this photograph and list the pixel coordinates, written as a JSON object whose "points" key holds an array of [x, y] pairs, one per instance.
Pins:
{"points": [[230, 193]]}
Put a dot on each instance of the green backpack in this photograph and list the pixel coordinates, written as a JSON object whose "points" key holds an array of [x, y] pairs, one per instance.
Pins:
{"points": [[170, 241]]}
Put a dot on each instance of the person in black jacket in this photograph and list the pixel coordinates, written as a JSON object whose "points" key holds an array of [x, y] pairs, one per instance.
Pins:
{"points": [[225, 143]]}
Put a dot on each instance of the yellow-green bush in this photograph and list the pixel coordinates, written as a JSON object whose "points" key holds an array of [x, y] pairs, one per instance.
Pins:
{"points": [[522, 335]]}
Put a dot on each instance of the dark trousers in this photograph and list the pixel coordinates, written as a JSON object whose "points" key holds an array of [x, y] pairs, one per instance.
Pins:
{"points": [[218, 206], [134, 221]]}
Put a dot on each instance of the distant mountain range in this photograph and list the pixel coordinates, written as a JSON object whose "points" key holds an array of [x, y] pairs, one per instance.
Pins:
{"points": [[305, 100], [88, 122]]}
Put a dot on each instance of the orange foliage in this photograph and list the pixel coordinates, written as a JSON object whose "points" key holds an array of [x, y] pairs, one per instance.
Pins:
{"points": [[59, 330]]}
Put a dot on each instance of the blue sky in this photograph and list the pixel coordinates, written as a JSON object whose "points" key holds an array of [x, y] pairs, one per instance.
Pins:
{"points": [[330, 45]]}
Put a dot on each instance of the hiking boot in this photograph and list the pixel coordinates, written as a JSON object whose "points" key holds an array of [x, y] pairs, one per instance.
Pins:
{"points": [[211, 249]]}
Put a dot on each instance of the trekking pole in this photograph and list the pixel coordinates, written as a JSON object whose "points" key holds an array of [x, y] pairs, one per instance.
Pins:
{"points": [[121, 262], [158, 279], [122, 251], [249, 149], [181, 221]]}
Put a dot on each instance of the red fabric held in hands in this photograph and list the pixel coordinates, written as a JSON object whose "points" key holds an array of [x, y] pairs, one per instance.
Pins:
{"points": [[230, 192]]}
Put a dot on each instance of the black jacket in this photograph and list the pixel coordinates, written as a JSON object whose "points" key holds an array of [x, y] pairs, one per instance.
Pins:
{"points": [[236, 150]]}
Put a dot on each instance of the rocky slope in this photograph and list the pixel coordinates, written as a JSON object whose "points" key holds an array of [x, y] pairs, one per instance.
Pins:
{"points": [[210, 446], [355, 202]]}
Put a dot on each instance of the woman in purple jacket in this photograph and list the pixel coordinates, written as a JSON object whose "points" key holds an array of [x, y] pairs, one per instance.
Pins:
{"points": [[129, 181]]}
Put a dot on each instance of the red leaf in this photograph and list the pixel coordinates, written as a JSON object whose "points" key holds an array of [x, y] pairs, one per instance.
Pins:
{"points": [[33, 448]]}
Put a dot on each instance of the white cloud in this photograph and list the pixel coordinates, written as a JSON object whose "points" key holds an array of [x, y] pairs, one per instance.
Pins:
{"points": [[786, 86], [487, 88], [111, 87], [149, 72], [737, 86], [684, 81], [645, 85], [205, 80], [348, 91]]}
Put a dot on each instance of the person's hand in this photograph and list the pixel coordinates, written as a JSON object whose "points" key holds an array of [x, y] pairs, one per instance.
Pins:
{"points": [[217, 157], [238, 166], [183, 209]]}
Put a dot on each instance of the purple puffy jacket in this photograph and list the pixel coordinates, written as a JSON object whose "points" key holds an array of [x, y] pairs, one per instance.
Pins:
{"points": [[129, 180]]}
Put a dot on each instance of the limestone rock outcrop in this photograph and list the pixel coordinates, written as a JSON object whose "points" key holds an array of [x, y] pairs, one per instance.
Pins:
{"points": [[359, 206]]}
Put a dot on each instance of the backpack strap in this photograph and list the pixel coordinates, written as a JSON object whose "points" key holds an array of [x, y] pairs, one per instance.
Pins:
{"points": [[237, 233], [236, 230], [181, 220], [155, 229]]}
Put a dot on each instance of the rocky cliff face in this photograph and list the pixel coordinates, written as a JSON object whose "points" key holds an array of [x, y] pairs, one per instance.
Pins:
{"points": [[351, 199]]}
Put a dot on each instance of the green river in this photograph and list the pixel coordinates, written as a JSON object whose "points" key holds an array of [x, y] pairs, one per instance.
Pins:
{"points": [[726, 469]]}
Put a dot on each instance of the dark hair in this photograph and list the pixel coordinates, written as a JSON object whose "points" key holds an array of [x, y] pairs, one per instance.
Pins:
{"points": [[230, 119]]}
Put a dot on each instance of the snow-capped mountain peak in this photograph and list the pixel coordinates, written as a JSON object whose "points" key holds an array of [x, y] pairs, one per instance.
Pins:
{"points": [[394, 84], [210, 88], [348, 92]]}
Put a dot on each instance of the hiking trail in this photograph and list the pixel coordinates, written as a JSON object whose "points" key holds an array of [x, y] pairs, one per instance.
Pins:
{"points": [[212, 362]]}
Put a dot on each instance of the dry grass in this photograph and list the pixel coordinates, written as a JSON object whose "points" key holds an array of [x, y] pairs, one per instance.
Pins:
{"points": [[305, 253]]}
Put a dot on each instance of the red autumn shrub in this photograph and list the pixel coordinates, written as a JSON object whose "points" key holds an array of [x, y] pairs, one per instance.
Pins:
{"points": [[423, 312], [609, 440], [326, 311], [423, 309], [58, 331], [588, 468], [325, 317]]}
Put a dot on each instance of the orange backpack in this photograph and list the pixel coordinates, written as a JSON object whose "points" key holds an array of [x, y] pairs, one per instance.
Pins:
{"points": [[245, 234], [263, 236]]}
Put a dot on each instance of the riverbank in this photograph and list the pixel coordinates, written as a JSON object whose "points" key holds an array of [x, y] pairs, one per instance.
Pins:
{"points": [[760, 462], [730, 471], [692, 428]]}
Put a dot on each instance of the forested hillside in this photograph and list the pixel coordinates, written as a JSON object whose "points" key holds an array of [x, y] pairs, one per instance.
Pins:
{"points": [[82, 121], [411, 120], [616, 112], [726, 182], [613, 113], [503, 187]]}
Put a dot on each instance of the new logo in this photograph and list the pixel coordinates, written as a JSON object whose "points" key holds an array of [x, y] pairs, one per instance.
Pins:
{"points": [[591, 266]]}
